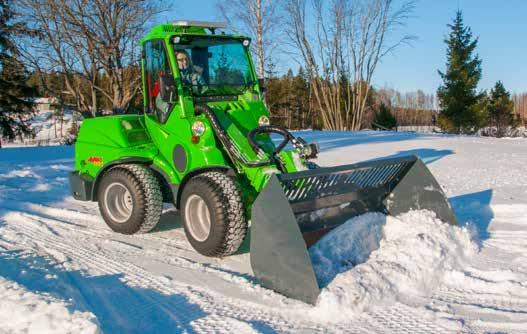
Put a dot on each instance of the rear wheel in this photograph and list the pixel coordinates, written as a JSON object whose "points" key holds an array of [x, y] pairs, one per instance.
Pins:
{"points": [[130, 199], [213, 214]]}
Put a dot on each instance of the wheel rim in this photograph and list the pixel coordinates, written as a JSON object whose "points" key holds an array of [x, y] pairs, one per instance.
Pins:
{"points": [[198, 218], [119, 202]]}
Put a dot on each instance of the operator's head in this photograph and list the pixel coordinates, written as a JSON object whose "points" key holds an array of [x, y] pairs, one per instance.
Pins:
{"points": [[183, 60]]}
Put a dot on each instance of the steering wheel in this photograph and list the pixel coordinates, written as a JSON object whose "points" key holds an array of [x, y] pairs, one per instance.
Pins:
{"points": [[251, 136]]}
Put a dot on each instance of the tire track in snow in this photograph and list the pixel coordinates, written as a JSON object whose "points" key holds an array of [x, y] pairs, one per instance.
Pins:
{"points": [[103, 265], [398, 319], [491, 293], [143, 243]]}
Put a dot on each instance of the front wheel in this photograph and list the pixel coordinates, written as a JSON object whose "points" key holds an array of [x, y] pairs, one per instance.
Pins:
{"points": [[213, 214]]}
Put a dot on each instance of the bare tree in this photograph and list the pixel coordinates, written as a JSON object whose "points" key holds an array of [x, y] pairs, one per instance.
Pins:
{"points": [[93, 44], [257, 19], [520, 106], [341, 47]]}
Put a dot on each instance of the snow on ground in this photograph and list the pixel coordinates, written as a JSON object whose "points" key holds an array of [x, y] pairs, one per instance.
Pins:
{"points": [[47, 130], [22, 311], [408, 274]]}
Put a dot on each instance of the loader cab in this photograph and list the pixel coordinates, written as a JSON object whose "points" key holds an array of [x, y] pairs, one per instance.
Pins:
{"points": [[213, 68], [188, 62]]}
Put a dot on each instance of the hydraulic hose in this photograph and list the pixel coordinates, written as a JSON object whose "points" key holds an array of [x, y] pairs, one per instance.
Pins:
{"points": [[225, 140]]}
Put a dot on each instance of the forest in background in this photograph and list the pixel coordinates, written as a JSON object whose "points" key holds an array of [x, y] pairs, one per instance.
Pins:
{"points": [[86, 55]]}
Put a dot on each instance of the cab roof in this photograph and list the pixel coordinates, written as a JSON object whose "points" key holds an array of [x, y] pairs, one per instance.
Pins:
{"points": [[187, 27]]}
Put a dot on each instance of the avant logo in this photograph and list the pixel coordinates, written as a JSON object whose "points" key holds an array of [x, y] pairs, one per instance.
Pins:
{"points": [[97, 161]]}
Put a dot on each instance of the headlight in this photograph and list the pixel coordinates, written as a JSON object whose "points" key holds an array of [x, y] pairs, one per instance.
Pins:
{"points": [[198, 129], [263, 121]]}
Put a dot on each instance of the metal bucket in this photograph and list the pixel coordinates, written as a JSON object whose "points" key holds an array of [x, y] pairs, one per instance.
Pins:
{"points": [[295, 210]]}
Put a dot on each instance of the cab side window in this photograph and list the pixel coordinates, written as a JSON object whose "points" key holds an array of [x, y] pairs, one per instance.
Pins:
{"points": [[156, 67]]}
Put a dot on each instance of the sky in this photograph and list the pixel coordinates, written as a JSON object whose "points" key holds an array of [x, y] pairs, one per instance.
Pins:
{"points": [[501, 27]]}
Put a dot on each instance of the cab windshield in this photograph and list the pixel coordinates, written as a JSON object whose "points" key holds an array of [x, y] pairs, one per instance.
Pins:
{"points": [[213, 67]]}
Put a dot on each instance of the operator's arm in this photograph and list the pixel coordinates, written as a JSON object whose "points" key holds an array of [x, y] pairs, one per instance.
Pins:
{"points": [[199, 83]]}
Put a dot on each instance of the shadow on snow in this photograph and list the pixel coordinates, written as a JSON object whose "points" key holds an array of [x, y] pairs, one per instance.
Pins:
{"points": [[474, 210], [427, 155], [118, 306]]}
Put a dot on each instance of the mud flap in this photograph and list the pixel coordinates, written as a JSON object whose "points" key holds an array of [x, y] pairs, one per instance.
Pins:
{"points": [[295, 210]]}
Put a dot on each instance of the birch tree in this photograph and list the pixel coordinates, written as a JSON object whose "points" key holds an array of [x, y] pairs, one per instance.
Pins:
{"points": [[258, 19], [341, 43], [93, 44]]}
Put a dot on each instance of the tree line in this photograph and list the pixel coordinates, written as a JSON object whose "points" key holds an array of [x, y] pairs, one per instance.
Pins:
{"points": [[292, 104], [457, 107], [86, 54]]}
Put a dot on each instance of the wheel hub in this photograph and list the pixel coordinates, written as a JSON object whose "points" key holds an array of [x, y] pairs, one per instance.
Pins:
{"points": [[198, 218], [119, 202]]}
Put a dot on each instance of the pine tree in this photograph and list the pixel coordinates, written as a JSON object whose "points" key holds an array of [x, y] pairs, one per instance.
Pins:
{"points": [[459, 101], [384, 118], [500, 109], [300, 96], [16, 106]]}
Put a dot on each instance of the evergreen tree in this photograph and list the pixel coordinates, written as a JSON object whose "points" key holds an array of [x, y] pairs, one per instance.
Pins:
{"points": [[384, 118], [500, 109], [15, 95], [459, 101], [288, 100], [300, 95]]}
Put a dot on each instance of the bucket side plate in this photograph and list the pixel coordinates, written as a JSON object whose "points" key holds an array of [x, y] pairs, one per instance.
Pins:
{"points": [[279, 256], [418, 190]]}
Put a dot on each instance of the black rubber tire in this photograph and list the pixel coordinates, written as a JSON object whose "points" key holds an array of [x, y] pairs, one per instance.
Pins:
{"points": [[228, 226], [145, 193]]}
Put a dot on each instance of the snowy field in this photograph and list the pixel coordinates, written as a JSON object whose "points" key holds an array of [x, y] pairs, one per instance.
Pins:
{"points": [[63, 271]]}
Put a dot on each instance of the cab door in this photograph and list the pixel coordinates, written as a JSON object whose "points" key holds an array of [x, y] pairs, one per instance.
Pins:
{"points": [[157, 69], [165, 131]]}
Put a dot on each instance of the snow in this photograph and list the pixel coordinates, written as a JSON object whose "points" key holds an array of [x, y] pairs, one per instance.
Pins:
{"points": [[396, 259], [62, 270], [48, 131], [22, 311], [346, 246]]}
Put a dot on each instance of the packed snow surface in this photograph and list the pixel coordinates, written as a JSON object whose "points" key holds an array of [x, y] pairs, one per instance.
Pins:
{"points": [[22, 311], [62, 270]]}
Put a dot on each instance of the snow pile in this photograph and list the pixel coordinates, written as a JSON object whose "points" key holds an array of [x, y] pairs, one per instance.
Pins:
{"points": [[410, 256], [22, 311], [356, 240]]}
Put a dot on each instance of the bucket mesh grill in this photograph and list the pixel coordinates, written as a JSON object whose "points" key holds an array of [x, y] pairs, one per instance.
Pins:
{"points": [[316, 186]]}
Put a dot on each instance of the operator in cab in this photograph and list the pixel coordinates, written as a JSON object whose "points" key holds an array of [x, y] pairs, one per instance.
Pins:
{"points": [[190, 74]]}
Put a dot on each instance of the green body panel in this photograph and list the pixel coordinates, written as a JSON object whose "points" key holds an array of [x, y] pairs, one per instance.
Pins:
{"points": [[104, 141]]}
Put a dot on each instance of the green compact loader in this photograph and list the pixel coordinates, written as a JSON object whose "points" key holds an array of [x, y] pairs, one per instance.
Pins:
{"points": [[204, 144]]}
